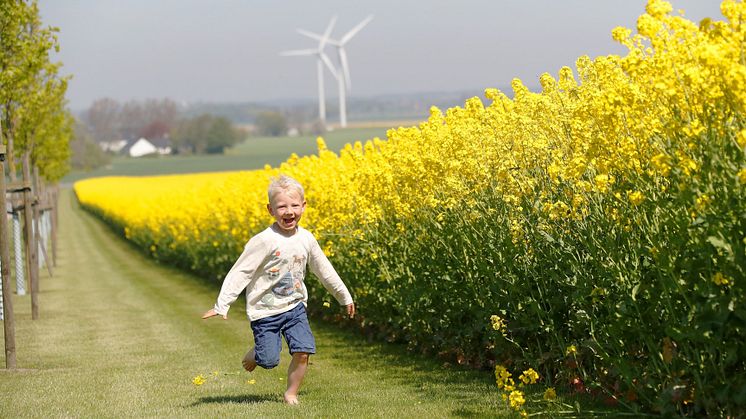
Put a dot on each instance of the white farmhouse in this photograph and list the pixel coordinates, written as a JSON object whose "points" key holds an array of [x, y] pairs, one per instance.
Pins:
{"points": [[139, 148]]}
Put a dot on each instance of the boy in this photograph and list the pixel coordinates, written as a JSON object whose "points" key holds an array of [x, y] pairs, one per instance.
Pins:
{"points": [[272, 269]]}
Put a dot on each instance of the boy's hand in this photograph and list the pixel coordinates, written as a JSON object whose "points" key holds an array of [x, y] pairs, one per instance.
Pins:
{"points": [[211, 313], [351, 310]]}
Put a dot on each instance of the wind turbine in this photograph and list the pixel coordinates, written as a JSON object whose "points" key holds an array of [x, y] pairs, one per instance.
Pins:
{"points": [[344, 82], [321, 60]]}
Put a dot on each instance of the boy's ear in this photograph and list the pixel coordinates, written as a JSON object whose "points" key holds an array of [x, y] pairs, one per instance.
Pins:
{"points": [[269, 208]]}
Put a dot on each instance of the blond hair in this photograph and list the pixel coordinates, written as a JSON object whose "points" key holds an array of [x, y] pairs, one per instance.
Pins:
{"points": [[284, 183]]}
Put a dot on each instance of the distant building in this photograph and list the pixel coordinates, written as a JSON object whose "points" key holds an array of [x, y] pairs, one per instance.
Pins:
{"points": [[139, 148], [113, 146], [163, 145], [144, 147]]}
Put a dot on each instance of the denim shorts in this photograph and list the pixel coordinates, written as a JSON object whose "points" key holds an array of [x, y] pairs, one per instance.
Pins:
{"points": [[293, 325]]}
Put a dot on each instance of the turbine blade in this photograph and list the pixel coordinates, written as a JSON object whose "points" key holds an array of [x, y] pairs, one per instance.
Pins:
{"points": [[309, 51], [329, 65], [317, 37], [325, 37], [309, 34], [355, 30]]}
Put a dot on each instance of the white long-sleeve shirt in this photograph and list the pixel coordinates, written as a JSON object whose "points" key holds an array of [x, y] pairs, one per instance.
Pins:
{"points": [[272, 269]]}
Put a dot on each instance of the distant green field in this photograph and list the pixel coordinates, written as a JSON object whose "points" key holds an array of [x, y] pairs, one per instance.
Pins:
{"points": [[252, 154]]}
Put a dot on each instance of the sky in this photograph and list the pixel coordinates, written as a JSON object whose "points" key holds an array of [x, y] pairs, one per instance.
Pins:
{"points": [[229, 50]]}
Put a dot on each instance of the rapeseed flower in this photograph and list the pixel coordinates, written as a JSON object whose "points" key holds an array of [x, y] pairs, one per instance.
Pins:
{"points": [[498, 323], [720, 279], [529, 376], [503, 378], [635, 197], [198, 380], [741, 176], [517, 399], [702, 202]]}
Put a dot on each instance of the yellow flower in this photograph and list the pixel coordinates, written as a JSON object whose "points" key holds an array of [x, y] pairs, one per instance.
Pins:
{"points": [[635, 197], [550, 394], [516, 399], [198, 380], [529, 376], [687, 165], [662, 162], [502, 377], [720, 279], [571, 350], [498, 323], [602, 183], [741, 138], [252, 381], [702, 202], [658, 8], [741, 175], [620, 34], [326, 304]]}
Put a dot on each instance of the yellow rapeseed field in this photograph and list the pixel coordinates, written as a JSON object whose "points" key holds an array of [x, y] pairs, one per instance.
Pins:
{"points": [[621, 142], [613, 116]]}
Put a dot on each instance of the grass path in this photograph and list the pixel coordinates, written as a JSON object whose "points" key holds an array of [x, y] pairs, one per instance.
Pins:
{"points": [[120, 336]]}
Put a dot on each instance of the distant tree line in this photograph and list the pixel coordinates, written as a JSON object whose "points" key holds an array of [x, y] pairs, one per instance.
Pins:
{"points": [[33, 115], [108, 120], [205, 134]]}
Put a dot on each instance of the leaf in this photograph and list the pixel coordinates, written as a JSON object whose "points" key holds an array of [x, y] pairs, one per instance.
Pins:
{"points": [[719, 243], [546, 235]]}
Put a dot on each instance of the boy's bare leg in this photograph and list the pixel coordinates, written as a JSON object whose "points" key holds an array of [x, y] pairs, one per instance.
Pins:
{"points": [[249, 363], [296, 372]]}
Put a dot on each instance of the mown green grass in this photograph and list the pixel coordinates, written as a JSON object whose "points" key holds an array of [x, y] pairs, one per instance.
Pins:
{"points": [[251, 154], [120, 336]]}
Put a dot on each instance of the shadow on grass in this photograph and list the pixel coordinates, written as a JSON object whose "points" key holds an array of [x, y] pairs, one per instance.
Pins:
{"points": [[242, 399]]}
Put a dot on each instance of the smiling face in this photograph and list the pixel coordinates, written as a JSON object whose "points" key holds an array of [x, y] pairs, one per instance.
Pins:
{"points": [[287, 207]]}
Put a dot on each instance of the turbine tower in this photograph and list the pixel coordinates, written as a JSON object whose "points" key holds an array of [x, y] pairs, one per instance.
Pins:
{"points": [[344, 83], [321, 60]]}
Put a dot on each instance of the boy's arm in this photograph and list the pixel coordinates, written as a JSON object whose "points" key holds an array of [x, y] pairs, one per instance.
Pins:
{"points": [[323, 269], [239, 277]]}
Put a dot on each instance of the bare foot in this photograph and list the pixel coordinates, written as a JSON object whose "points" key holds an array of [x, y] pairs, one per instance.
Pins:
{"points": [[248, 361], [291, 399]]}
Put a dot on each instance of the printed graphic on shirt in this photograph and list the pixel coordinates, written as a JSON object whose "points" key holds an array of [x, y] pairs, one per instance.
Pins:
{"points": [[285, 287], [299, 267], [268, 301], [274, 265], [290, 284]]}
